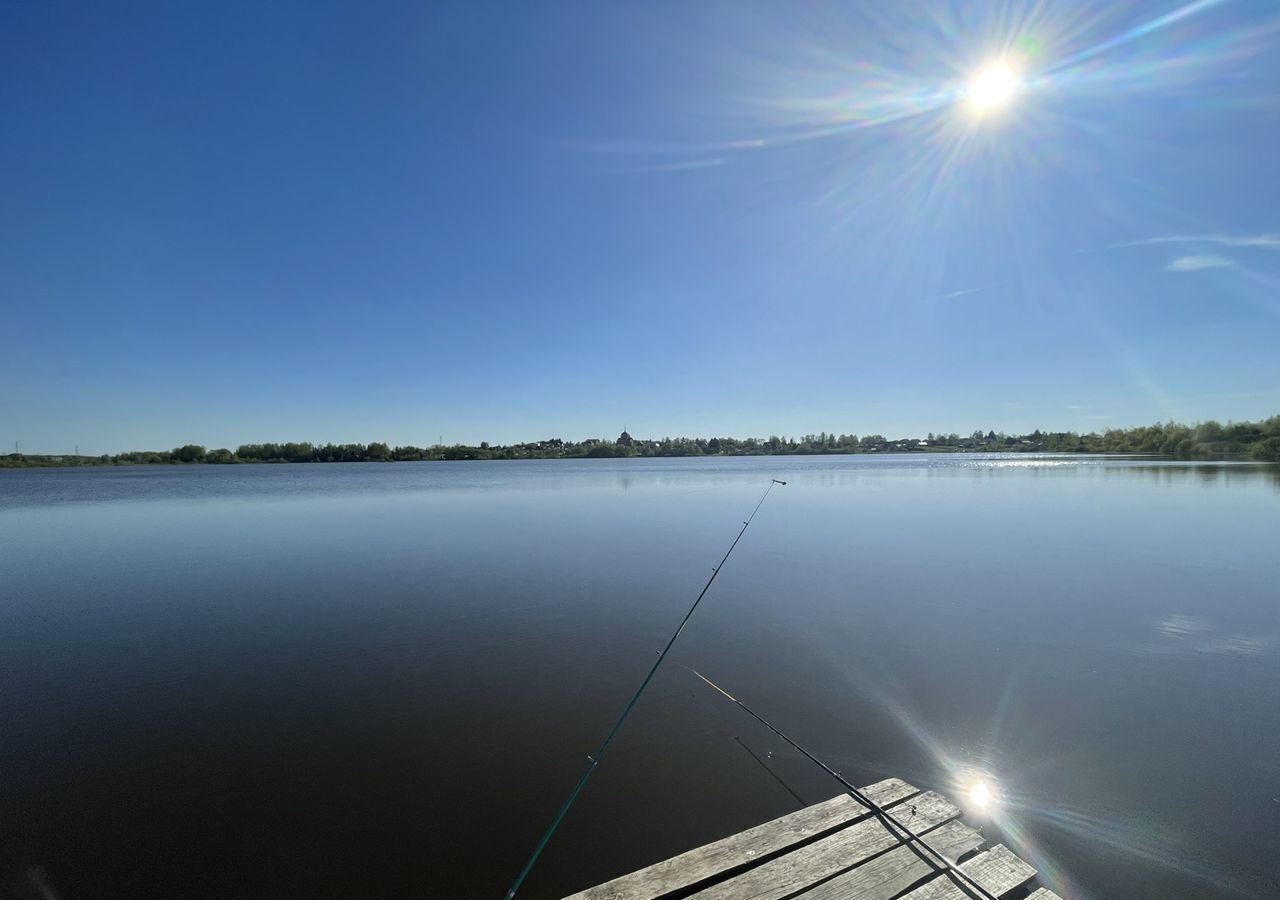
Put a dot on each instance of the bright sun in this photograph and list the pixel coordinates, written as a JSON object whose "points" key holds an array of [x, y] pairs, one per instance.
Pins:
{"points": [[992, 87]]}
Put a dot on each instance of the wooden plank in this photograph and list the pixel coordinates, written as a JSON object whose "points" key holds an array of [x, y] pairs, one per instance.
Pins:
{"points": [[1043, 894], [889, 791], [695, 866], [998, 871], [954, 839], [833, 854], [889, 875]]}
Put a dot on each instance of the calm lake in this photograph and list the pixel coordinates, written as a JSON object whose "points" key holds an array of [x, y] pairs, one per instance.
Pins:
{"points": [[381, 680]]}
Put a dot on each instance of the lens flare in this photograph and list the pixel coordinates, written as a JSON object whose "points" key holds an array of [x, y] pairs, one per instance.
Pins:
{"points": [[980, 795]]}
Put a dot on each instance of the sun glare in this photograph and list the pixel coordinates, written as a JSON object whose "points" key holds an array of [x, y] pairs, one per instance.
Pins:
{"points": [[992, 87], [980, 795]]}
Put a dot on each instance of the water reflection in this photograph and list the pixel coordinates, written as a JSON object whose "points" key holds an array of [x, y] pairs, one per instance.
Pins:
{"points": [[333, 661], [44, 487], [1189, 634], [1209, 474]]}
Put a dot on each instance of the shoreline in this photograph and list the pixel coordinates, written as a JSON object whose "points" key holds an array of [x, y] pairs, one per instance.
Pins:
{"points": [[51, 462], [1257, 441]]}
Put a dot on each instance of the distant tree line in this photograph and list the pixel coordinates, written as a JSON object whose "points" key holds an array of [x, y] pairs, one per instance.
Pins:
{"points": [[1206, 440]]}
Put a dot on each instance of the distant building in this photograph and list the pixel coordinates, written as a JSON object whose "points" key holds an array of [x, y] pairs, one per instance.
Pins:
{"points": [[625, 439]]}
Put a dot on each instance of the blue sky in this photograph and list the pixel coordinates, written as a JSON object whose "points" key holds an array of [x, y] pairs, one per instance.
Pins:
{"points": [[317, 221]]}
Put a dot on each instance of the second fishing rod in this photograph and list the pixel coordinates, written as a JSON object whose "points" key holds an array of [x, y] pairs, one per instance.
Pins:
{"points": [[922, 848]]}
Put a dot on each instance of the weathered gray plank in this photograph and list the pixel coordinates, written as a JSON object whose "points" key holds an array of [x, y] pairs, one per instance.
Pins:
{"points": [[954, 839], [998, 871], [1043, 894], [695, 866], [849, 846], [889, 791], [890, 874]]}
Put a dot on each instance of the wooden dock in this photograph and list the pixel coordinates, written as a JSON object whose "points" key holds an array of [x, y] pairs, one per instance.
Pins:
{"points": [[837, 850]]}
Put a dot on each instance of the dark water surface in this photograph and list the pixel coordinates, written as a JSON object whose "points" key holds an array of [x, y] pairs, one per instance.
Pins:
{"points": [[380, 680]]}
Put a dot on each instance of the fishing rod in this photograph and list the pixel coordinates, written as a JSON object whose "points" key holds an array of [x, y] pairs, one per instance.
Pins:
{"points": [[938, 860], [594, 759]]}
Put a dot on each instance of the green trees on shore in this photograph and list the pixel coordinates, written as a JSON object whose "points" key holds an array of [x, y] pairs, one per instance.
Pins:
{"points": [[1207, 440]]}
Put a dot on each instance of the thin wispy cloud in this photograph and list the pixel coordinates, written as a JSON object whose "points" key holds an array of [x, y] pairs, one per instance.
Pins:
{"points": [[643, 168], [960, 293], [964, 292], [1265, 241], [1197, 263], [680, 166]]}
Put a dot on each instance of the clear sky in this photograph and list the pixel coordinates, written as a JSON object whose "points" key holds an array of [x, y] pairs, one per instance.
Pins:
{"points": [[232, 222]]}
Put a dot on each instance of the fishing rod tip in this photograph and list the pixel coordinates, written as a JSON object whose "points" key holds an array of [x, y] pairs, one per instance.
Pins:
{"points": [[783, 483]]}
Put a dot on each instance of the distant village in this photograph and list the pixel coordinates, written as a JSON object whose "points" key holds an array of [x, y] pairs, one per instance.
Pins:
{"points": [[627, 445]]}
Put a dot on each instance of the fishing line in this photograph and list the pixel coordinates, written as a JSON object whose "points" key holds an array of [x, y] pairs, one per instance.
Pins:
{"points": [[594, 759], [967, 883], [772, 774]]}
